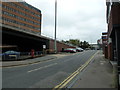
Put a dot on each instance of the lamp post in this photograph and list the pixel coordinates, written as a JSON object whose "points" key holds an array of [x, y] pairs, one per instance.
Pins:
{"points": [[55, 44]]}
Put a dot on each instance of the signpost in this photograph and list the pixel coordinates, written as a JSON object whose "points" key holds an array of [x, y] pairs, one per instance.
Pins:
{"points": [[44, 47], [55, 46]]}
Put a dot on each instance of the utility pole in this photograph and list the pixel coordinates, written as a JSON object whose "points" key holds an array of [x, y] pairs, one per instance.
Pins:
{"points": [[55, 46]]}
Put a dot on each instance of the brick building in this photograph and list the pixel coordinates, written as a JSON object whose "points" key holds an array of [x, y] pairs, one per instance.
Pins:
{"points": [[21, 16], [60, 46], [113, 20], [21, 27]]}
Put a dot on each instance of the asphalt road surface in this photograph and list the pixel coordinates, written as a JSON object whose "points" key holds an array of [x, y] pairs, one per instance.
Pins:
{"points": [[45, 74]]}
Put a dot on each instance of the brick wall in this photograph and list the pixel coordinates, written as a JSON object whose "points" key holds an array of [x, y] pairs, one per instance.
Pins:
{"points": [[114, 18], [110, 51], [60, 45]]}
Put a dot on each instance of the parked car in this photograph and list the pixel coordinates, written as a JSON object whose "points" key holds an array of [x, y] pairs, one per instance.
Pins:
{"points": [[10, 55], [79, 49], [71, 50]]}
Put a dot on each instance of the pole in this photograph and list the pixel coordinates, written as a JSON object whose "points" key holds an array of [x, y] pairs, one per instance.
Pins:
{"points": [[55, 25]]}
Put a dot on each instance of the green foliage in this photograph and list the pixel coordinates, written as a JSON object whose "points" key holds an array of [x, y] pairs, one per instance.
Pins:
{"points": [[84, 45], [77, 42]]}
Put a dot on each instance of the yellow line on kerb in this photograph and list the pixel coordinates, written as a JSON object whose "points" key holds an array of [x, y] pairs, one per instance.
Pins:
{"points": [[68, 79]]}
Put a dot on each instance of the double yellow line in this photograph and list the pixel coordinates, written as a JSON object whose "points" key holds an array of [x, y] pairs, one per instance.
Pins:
{"points": [[68, 79]]}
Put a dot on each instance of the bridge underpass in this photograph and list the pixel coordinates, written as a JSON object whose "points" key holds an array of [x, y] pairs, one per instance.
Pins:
{"points": [[24, 41]]}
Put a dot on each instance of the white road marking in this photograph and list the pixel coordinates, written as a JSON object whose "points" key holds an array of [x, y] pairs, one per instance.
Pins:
{"points": [[42, 67]]}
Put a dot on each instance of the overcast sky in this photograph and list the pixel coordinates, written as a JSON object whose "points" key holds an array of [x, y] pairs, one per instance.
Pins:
{"points": [[76, 19]]}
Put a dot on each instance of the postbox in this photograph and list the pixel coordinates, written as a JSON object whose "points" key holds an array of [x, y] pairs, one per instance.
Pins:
{"points": [[32, 53]]}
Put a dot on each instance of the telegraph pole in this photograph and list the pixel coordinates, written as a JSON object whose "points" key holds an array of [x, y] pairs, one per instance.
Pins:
{"points": [[55, 46]]}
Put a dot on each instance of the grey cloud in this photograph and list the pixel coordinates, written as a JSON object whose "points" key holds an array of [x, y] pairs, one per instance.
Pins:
{"points": [[81, 19]]}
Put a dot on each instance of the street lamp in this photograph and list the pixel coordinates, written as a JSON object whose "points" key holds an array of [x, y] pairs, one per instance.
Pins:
{"points": [[55, 46]]}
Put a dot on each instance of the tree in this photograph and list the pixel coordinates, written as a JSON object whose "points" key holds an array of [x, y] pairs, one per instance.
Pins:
{"points": [[75, 42], [78, 43], [84, 45]]}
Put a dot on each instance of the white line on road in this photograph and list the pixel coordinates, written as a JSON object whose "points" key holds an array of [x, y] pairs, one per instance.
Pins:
{"points": [[42, 67]]}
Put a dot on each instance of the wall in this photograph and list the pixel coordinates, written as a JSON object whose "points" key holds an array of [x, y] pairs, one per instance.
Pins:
{"points": [[60, 46], [114, 18], [110, 51], [113, 30]]}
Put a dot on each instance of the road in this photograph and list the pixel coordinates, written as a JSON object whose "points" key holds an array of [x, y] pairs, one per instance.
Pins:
{"points": [[46, 74]]}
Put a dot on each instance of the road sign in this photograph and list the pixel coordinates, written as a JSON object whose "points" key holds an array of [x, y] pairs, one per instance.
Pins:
{"points": [[44, 46]]}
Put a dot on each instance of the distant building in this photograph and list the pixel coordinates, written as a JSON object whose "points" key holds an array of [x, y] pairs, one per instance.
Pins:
{"points": [[105, 43], [21, 16], [94, 46], [99, 42]]}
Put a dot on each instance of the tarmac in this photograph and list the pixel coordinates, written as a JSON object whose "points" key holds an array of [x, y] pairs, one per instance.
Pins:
{"points": [[98, 74]]}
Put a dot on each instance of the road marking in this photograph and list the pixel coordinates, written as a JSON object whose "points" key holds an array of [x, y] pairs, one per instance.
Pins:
{"points": [[41, 67], [69, 78]]}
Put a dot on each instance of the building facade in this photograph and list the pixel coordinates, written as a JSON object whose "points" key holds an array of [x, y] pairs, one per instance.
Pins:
{"points": [[21, 16], [113, 20], [21, 28]]}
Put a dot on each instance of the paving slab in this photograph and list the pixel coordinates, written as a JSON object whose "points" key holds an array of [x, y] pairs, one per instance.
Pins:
{"points": [[28, 61], [33, 60], [98, 74]]}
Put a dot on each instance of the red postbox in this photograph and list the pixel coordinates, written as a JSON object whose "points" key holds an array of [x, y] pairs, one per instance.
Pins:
{"points": [[32, 53]]}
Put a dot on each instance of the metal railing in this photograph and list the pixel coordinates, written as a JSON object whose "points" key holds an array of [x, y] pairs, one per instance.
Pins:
{"points": [[20, 56]]}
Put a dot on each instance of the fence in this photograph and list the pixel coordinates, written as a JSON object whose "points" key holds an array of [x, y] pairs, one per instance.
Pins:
{"points": [[20, 55]]}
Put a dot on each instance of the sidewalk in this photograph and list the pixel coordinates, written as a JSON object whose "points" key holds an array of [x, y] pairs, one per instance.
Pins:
{"points": [[28, 61], [98, 74], [32, 61]]}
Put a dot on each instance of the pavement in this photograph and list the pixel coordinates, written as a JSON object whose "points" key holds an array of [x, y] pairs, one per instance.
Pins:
{"points": [[98, 74], [32, 61]]}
